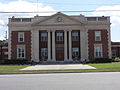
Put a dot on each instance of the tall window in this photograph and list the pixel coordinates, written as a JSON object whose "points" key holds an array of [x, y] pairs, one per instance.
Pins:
{"points": [[114, 53], [43, 36], [75, 53], [97, 36], [21, 37], [59, 36], [98, 50], [44, 53], [75, 36], [20, 52]]}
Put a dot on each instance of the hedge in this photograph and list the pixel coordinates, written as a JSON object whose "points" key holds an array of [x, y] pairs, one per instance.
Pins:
{"points": [[14, 61], [101, 60]]}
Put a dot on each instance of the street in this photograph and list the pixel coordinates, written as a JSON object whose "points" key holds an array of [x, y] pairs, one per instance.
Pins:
{"points": [[61, 81]]}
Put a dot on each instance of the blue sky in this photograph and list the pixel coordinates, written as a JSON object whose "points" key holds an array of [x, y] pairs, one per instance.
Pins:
{"points": [[61, 5]]}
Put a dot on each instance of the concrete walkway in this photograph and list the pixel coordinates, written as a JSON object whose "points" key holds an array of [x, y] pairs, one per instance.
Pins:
{"points": [[58, 67]]}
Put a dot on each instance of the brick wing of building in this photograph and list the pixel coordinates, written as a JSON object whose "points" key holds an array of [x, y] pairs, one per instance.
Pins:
{"points": [[59, 38]]}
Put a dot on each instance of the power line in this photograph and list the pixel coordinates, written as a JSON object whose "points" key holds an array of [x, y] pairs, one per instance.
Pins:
{"points": [[78, 3], [65, 11]]}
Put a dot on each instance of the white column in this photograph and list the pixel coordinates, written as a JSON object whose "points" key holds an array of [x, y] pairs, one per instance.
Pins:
{"points": [[35, 45], [53, 46], [83, 44], [70, 46], [65, 45], [9, 44], [49, 46]]}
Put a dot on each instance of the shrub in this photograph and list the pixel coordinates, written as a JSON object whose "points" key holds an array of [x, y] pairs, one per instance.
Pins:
{"points": [[14, 61], [116, 59], [101, 60]]}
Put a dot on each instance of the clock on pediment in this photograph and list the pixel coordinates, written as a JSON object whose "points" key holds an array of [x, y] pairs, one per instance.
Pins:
{"points": [[59, 19]]}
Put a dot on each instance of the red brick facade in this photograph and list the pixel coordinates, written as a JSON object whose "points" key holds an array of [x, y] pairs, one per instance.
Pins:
{"points": [[27, 43], [91, 42]]}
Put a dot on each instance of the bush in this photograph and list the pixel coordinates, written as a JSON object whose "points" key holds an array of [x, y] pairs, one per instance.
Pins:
{"points": [[116, 59], [101, 60], [14, 61]]}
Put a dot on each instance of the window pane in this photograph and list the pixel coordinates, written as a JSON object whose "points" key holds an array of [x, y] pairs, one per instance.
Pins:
{"points": [[74, 35], [20, 37], [21, 52], [43, 36], [59, 36], [75, 52], [98, 51], [97, 36]]}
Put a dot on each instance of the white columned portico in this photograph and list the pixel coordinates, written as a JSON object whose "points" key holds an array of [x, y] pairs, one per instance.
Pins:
{"points": [[49, 46], [53, 46], [70, 46], [65, 46]]}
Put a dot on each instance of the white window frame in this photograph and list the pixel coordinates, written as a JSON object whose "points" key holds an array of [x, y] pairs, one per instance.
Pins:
{"points": [[22, 52], [19, 36], [59, 36], [75, 36], [44, 36], [97, 35], [98, 52]]}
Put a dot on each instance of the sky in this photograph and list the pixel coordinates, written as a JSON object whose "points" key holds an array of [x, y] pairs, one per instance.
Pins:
{"points": [[61, 5]]}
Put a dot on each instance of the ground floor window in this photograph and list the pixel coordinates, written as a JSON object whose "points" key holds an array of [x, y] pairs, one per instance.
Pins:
{"points": [[113, 53], [75, 53], [20, 52], [98, 51], [44, 53]]}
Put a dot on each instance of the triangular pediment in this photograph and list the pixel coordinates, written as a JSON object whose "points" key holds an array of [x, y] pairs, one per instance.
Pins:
{"points": [[57, 19]]}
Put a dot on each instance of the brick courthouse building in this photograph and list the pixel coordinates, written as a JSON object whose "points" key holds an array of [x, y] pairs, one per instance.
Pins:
{"points": [[59, 38]]}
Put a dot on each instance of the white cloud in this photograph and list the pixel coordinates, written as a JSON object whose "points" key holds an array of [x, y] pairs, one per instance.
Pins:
{"points": [[114, 18], [114, 15], [20, 6]]}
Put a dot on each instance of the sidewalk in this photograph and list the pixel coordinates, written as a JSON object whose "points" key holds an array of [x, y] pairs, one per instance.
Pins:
{"points": [[58, 67]]}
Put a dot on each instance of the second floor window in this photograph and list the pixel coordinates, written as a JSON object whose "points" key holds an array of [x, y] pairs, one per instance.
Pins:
{"points": [[75, 36], [97, 36], [21, 37], [43, 36], [59, 36]]}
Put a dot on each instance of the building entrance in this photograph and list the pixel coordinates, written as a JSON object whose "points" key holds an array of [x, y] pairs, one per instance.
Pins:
{"points": [[59, 53]]}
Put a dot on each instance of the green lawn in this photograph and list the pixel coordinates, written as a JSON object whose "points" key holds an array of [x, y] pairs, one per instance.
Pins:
{"points": [[106, 66], [15, 69]]}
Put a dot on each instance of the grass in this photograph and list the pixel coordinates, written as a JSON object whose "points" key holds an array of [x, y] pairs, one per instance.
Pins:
{"points": [[106, 66], [15, 69]]}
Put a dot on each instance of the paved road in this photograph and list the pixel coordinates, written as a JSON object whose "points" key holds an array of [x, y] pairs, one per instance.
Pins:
{"points": [[63, 81]]}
